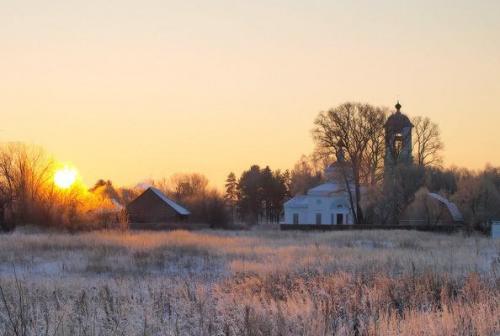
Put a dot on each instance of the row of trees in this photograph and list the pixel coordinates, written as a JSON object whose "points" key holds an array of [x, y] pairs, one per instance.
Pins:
{"points": [[258, 195], [476, 193]]}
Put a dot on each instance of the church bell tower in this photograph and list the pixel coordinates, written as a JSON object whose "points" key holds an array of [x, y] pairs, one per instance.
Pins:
{"points": [[398, 139]]}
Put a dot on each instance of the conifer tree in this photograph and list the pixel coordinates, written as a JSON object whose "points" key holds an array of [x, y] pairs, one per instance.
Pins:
{"points": [[231, 195]]}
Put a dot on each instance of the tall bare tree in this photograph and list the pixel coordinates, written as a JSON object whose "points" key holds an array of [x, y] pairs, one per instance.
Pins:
{"points": [[184, 186], [373, 167], [25, 173], [304, 175], [427, 142], [359, 127]]}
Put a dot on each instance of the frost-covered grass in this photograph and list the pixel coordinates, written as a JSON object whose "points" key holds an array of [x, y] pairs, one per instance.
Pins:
{"points": [[249, 283]]}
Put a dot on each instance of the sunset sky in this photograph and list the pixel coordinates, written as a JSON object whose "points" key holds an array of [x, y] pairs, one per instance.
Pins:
{"points": [[130, 90]]}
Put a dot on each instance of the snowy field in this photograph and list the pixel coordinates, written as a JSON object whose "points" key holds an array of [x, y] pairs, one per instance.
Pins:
{"points": [[249, 283]]}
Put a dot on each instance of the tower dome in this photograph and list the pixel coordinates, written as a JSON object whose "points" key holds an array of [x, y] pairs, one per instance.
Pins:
{"points": [[340, 169], [398, 121]]}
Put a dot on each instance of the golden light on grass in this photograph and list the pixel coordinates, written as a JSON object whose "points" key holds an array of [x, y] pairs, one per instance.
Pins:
{"points": [[65, 177]]}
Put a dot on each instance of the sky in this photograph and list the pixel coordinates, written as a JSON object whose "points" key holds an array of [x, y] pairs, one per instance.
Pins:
{"points": [[132, 90]]}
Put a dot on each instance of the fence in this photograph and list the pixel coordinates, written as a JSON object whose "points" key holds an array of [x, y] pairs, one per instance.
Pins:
{"points": [[417, 227]]}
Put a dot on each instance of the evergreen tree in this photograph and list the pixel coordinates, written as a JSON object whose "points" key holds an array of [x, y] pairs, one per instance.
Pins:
{"points": [[261, 194], [231, 196], [250, 195]]}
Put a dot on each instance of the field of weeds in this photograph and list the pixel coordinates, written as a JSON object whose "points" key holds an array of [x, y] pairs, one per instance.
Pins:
{"points": [[249, 283]]}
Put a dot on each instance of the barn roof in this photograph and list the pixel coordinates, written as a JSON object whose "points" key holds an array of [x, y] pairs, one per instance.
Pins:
{"points": [[452, 208], [179, 209]]}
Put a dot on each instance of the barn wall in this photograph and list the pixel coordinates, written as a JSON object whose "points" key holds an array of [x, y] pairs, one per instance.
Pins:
{"points": [[149, 208]]}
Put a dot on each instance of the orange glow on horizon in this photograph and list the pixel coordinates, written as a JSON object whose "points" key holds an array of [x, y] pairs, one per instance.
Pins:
{"points": [[137, 90]]}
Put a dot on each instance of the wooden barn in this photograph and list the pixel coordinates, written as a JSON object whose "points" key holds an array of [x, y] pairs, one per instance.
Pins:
{"points": [[153, 207]]}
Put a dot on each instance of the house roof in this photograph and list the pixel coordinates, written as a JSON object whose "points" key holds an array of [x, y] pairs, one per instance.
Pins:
{"points": [[179, 209], [452, 208]]}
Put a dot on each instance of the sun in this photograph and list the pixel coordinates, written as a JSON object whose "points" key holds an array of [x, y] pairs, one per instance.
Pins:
{"points": [[65, 177]]}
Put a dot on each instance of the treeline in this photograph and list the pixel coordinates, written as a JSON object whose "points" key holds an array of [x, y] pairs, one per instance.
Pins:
{"points": [[206, 204], [256, 196], [28, 194], [475, 193]]}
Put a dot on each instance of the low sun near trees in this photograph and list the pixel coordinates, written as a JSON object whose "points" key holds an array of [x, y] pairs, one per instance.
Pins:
{"points": [[28, 194]]}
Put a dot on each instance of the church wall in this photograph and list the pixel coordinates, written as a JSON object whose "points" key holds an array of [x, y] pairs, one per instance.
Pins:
{"points": [[325, 206]]}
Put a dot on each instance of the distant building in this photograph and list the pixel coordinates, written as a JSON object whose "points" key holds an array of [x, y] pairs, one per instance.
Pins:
{"points": [[326, 204], [152, 206]]}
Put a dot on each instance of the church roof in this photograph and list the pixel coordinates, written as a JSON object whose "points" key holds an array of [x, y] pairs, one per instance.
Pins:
{"points": [[327, 189], [324, 189], [398, 121], [299, 201]]}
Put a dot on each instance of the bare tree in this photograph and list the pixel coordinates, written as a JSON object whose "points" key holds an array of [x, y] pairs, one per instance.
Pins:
{"points": [[373, 167], [478, 196], [182, 186], [304, 175], [359, 127], [186, 186], [25, 173], [427, 142]]}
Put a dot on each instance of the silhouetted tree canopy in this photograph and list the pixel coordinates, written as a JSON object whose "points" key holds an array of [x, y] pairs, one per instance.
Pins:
{"points": [[360, 129], [261, 194], [427, 144]]}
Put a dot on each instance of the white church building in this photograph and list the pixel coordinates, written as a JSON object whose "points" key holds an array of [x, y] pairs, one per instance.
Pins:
{"points": [[326, 204]]}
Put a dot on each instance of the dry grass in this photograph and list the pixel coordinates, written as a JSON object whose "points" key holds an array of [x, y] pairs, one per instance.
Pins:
{"points": [[249, 283]]}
